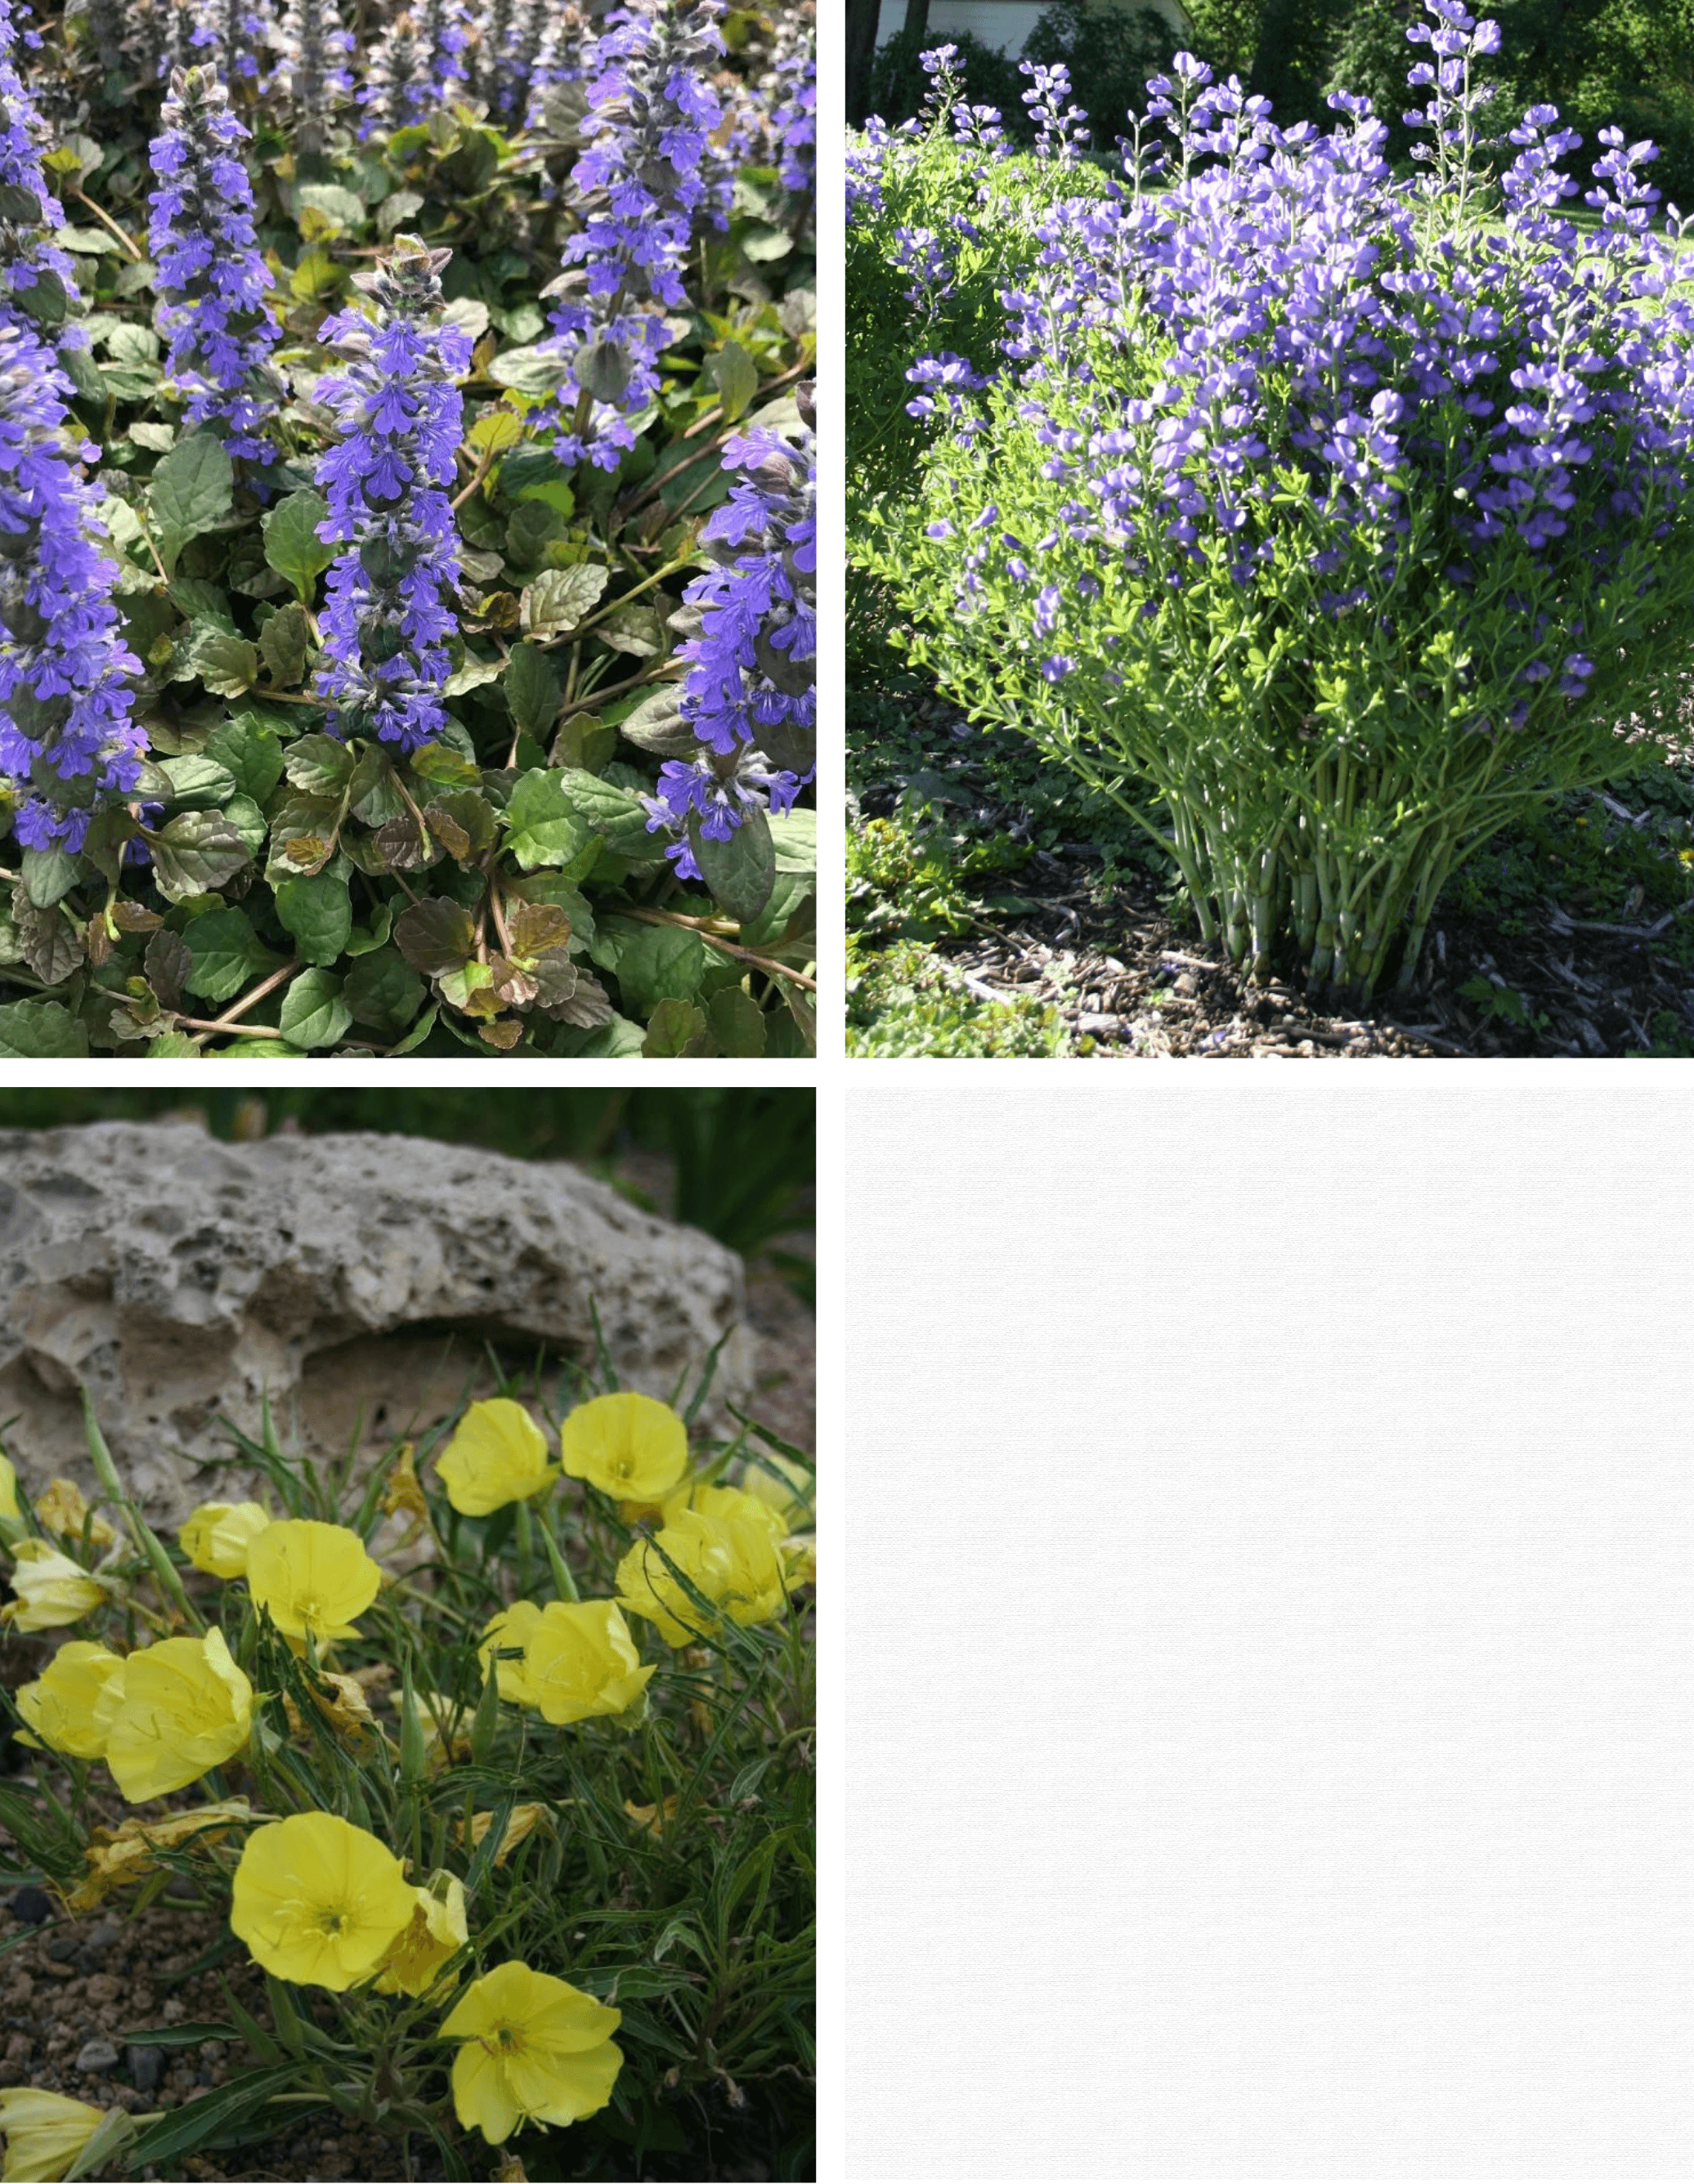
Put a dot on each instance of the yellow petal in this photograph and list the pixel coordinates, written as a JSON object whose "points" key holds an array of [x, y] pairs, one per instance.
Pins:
{"points": [[482, 2099], [61, 1705], [216, 1537], [628, 1446], [319, 1901], [498, 1455], [307, 1575], [44, 2132]]}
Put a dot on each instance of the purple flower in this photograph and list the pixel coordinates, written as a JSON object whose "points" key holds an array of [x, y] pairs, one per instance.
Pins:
{"points": [[388, 611], [313, 73], [212, 281]]}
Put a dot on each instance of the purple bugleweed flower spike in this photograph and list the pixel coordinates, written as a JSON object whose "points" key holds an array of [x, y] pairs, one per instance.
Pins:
{"points": [[211, 281], [388, 613], [567, 39], [509, 37], [794, 114], [751, 696], [445, 29], [313, 73], [639, 185], [68, 737], [397, 89]]}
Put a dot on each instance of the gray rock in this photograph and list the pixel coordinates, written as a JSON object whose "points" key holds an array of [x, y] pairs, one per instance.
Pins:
{"points": [[146, 2067], [182, 1279], [96, 2057], [32, 1906]]}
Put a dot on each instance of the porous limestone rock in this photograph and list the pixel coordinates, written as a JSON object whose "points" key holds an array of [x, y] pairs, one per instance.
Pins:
{"points": [[355, 1278]]}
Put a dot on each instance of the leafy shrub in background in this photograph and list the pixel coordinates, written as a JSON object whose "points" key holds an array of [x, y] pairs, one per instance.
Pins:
{"points": [[1324, 522], [447, 381], [499, 1876]]}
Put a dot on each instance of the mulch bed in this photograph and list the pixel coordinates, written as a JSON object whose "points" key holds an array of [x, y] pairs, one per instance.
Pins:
{"points": [[1129, 980]]}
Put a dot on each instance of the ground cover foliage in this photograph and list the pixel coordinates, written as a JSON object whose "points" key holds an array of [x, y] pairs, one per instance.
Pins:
{"points": [[1322, 525], [408, 576], [492, 1761]]}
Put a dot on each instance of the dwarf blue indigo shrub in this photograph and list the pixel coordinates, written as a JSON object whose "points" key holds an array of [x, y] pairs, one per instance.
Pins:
{"points": [[749, 699], [389, 611], [211, 281], [1323, 522], [639, 183]]}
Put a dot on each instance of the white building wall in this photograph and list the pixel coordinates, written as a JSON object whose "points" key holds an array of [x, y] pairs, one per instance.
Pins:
{"points": [[1003, 23]]}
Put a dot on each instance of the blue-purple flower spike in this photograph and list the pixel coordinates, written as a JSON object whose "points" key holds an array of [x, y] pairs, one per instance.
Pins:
{"points": [[389, 612], [211, 281], [68, 739], [750, 698], [639, 185]]}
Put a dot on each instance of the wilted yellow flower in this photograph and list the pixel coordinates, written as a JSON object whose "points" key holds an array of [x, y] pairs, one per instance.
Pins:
{"points": [[61, 1508], [401, 1492], [216, 1537], [60, 1705], [51, 1588], [724, 1503], [799, 1560], [789, 1492], [120, 1856], [344, 1705], [9, 1492], [654, 1818], [311, 1576], [629, 1446], [535, 2049], [511, 2171], [439, 1930], [498, 1455], [170, 1712], [44, 2131], [520, 1822], [511, 1627], [319, 1901], [732, 1559], [580, 1660]]}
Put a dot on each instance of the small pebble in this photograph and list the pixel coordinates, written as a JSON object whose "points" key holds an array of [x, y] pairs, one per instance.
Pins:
{"points": [[97, 2057], [32, 1906], [146, 2067], [62, 1948]]}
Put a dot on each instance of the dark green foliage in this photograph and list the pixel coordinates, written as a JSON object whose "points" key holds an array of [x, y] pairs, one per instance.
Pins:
{"points": [[1109, 53]]}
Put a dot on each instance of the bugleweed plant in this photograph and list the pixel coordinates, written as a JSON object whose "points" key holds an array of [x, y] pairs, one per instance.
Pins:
{"points": [[494, 1764], [374, 399], [1324, 523]]}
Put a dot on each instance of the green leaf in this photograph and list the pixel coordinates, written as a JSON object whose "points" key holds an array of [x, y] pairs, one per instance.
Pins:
{"points": [[449, 768], [737, 376], [227, 664], [49, 943], [313, 1013], [560, 599], [40, 1031], [177, 2035], [174, 1047], [737, 1024], [319, 766], [675, 1028], [761, 244], [383, 992], [225, 953], [256, 1049], [546, 828], [531, 370], [741, 871], [192, 491], [617, 815], [291, 544], [337, 211], [282, 644], [252, 752], [651, 963], [794, 836], [418, 1032], [197, 783], [195, 854], [49, 875], [789, 899], [317, 911], [616, 1041], [181, 2131], [532, 688]]}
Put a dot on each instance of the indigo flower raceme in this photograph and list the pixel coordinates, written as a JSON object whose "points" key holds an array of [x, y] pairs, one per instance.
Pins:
{"points": [[36, 280], [638, 184], [750, 698], [68, 738], [388, 610], [397, 88], [211, 281], [313, 72], [1331, 510]]}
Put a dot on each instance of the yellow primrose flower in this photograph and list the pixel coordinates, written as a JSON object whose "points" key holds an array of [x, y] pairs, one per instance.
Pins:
{"points": [[60, 1705], [44, 2131], [9, 1492], [512, 1626], [788, 1486], [629, 1446], [61, 1508], [311, 1576], [498, 1455], [799, 1560], [118, 1857], [216, 1537], [438, 1931], [732, 1559], [724, 1503], [319, 1901], [170, 1712], [51, 1588], [535, 2050], [580, 1660], [656, 1818]]}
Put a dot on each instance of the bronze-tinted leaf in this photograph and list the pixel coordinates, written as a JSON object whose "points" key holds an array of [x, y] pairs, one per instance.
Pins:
{"points": [[436, 936], [536, 926], [167, 963]]}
